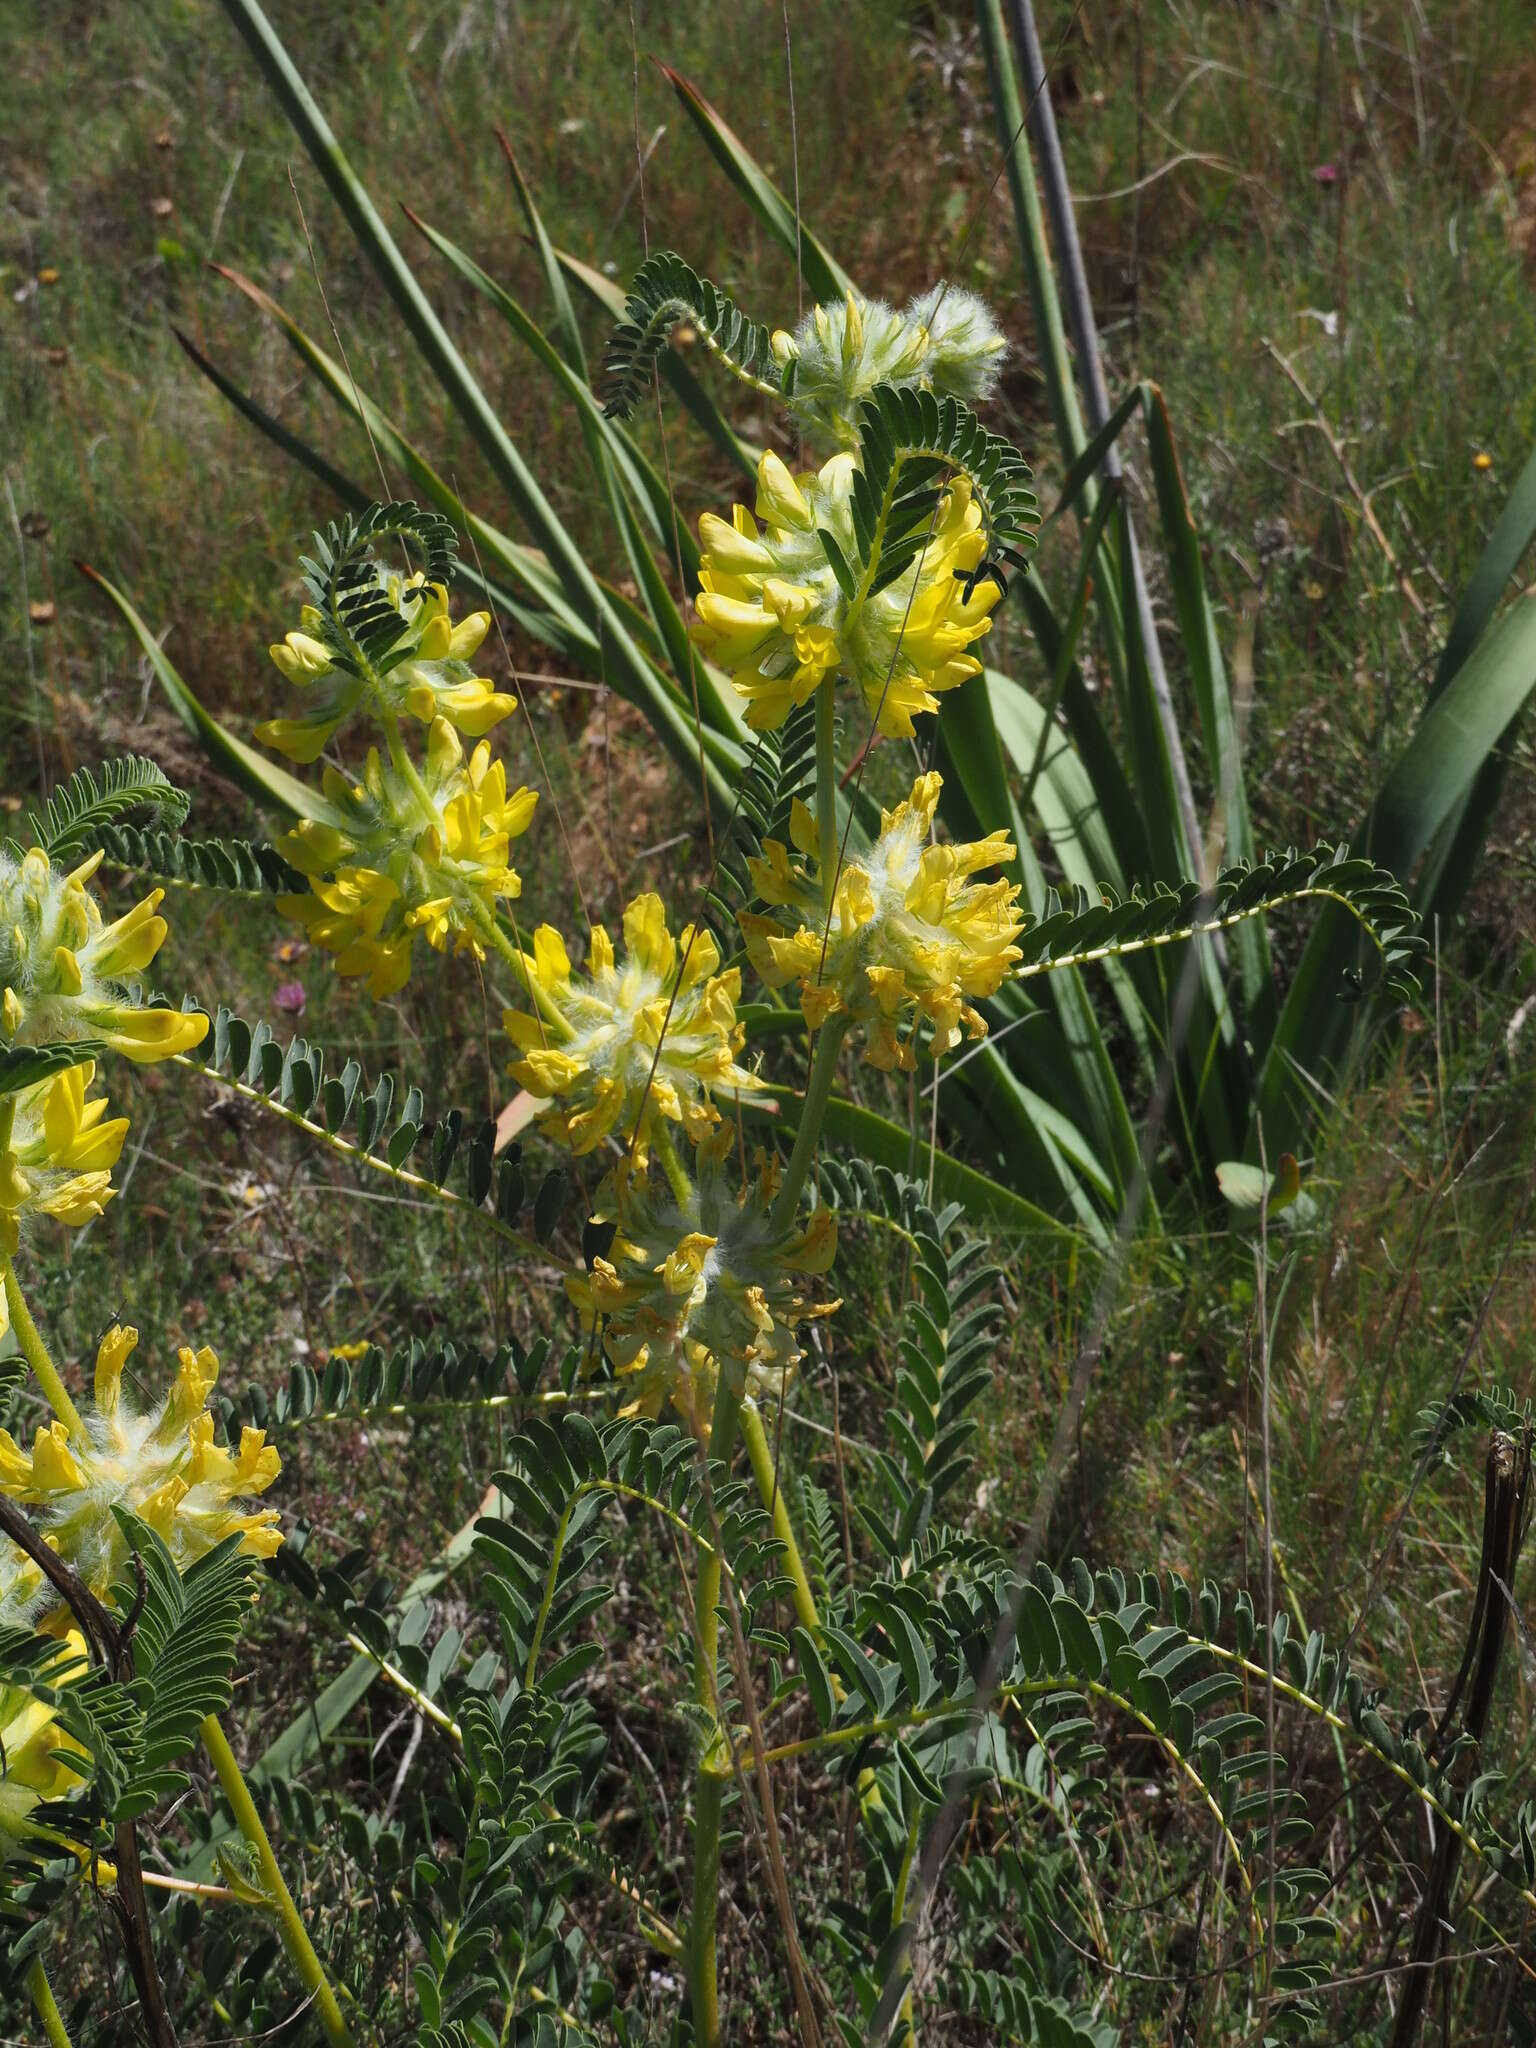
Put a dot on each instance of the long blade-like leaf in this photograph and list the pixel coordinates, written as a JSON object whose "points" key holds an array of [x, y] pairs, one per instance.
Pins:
{"points": [[272, 787], [566, 638], [626, 665], [1455, 738], [822, 272]]}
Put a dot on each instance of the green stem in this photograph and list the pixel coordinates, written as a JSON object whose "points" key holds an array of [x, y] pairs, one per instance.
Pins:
{"points": [[826, 781], [813, 1110], [898, 1915], [35, 1351], [764, 1471], [45, 2005], [671, 1165], [301, 1951], [406, 768], [709, 1788]]}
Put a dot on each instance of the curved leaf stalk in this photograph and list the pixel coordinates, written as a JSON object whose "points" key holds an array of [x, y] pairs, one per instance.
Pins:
{"points": [[355, 1153], [1431, 1803], [665, 292], [45, 2005], [899, 428], [760, 1455], [301, 1950], [418, 1699], [35, 1351], [1369, 894]]}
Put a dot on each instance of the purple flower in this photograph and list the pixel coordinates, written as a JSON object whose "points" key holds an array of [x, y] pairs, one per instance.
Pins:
{"points": [[290, 996], [1326, 174]]}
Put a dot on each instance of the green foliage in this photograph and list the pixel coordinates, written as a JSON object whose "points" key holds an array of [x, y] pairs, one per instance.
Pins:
{"points": [[663, 292], [23, 1066], [357, 1120], [908, 442], [185, 1632], [71, 822], [1071, 937], [233, 866], [359, 620]]}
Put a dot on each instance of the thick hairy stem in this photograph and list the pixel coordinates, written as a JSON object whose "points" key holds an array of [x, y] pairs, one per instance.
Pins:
{"points": [[671, 1165], [35, 1351], [709, 1786], [301, 1951], [813, 1110], [44, 2004], [766, 1474], [826, 781]]}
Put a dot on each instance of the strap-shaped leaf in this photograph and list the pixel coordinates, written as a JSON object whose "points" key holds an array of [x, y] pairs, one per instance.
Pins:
{"points": [[667, 291]]}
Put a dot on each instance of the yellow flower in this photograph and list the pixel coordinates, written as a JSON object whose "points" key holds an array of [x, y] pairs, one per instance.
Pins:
{"points": [[593, 1049], [37, 1754], [771, 610], [414, 853], [163, 1466], [690, 1289], [64, 972], [425, 673], [58, 1156], [911, 937]]}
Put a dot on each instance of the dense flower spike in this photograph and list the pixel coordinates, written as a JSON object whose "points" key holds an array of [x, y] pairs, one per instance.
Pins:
{"points": [[164, 1466], [64, 972], [911, 936], [692, 1288], [618, 1048], [771, 609], [412, 853], [37, 1754], [945, 341], [57, 1151], [424, 674]]}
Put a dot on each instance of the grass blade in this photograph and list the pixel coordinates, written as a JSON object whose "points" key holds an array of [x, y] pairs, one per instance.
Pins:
{"points": [[823, 274], [272, 787], [539, 625], [1450, 749], [625, 664]]}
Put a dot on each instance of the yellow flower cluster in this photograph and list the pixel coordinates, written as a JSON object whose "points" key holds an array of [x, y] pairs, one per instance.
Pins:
{"points": [[691, 1288], [37, 1752], [57, 1151], [425, 674], [63, 970], [411, 853], [911, 938], [164, 1466], [771, 610], [618, 1048]]}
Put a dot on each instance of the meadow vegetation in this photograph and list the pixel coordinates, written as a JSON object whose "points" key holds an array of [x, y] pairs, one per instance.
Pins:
{"points": [[1315, 231]]}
